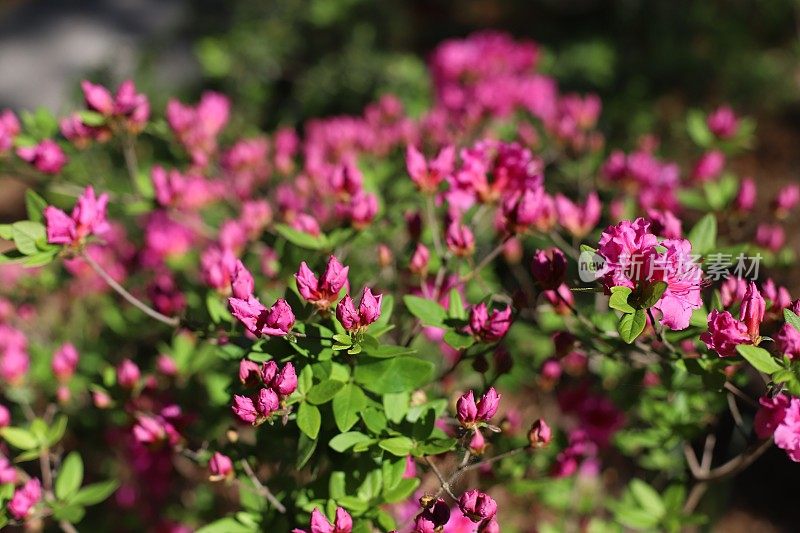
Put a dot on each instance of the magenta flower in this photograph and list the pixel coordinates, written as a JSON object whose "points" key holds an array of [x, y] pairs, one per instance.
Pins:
{"points": [[220, 467], [460, 239], [128, 374], [47, 156], [9, 129], [152, 430], [746, 197], [787, 433], [723, 122], [197, 127], [368, 311], [320, 524], [88, 218], [8, 474], [322, 292], [25, 499], [127, 105], [786, 199], [770, 414], [540, 434], [724, 333], [576, 219], [242, 283], [428, 176], [275, 321], [770, 236], [548, 268], [665, 223], [477, 505], [488, 327], [244, 408], [488, 404], [362, 209], [285, 381], [249, 372], [709, 166], [14, 359], [267, 402], [788, 341], [419, 260], [469, 413], [65, 360], [433, 518], [5, 416], [752, 311]]}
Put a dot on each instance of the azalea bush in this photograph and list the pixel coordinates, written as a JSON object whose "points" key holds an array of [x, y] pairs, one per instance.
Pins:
{"points": [[477, 318]]}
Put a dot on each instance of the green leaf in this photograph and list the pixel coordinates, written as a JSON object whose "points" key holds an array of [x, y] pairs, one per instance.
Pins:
{"points": [[69, 513], [6, 232], [34, 205], [456, 306], [401, 491], [216, 309], [226, 525], [92, 118], [704, 235], [430, 313], [459, 341], [399, 446], [386, 351], [792, 318], [19, 438], [619, 299], [26, 234], [70, 477], [347, 440], [398, 374], [698, 129], [40, 258], [94, 493], [761, 359], [305, 450], [635, 518], [301, 238], [631, 325], [647, 497], [347, 404], [309, 419], [395, 405], [647, 294], [324, 391]]}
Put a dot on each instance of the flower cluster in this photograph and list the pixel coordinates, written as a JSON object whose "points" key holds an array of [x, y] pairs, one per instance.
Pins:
{"points": [[276, 384]]}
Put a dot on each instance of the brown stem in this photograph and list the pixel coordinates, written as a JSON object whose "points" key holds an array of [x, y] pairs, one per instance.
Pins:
{"points": [[149, 311], [263, 490]]}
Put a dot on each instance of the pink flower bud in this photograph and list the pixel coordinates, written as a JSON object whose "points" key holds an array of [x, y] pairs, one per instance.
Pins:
{"points": [[786, 199], [576, 219], [60, 227], [249, 372], [467, 410], [709, 166], [47, 156], [128, 374], [220, 467], [665, 224], [154, 430], [420, 259], [8, 474], [9, 129], [320, 524], [97, 98], [724, 333], [385, 255], [723, 122], [276, 321], [489, 526], [245, 409], [347, 314], [428, 177], [548, 268], [746, 197], [488, 404], [362, 209], [770, 236], [488, 327], [752, 310], [477, 506], [370, 309], [65, 360], [166, 365], [100, 399], [477, 444], [433, 518], [242, 283], [550, 371], [5, 416], [285, 382], [267, 402], [460, 240], [540, 434], [25, 499], [269, 370]]}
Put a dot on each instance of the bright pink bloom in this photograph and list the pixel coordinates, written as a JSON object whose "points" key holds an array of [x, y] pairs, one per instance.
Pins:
{"points": [[488, 404], [665, 224], [166, 365], [78, 133], [477, 444], [786, 199], [576, 219], [275, 321], [267, 402], [752, 310], [787, 434], [306, 224], [770, 236], [88, 218], [347, 180], [9, 129], [65, 360], [285, 381], [25, 499], [770, 414], [469, 413], [244, 408], [97, 98], [746, 197], [460, 239], [8, 474], [242, 283], [788, 340], [128, 374], [549, 267], [362, 209], [197, 127], [723, 122], [14, 359], [625, 248], [419, 260], [368, 311], [47, 156], [732, 291], [724, 333], [322, 292], [320, 524], [540, 434], [428, 176], [488, 327], [220, 467], [709, 166], [154, 430], [432, 518], [778, 297], [477, 506]]}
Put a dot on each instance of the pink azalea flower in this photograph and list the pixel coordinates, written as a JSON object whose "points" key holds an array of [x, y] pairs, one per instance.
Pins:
{"points": [[47, 156], [322, 292], [576, 219], [275, 321], [724, 333]]}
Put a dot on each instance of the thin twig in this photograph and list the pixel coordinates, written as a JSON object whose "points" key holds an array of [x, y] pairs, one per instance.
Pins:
{"points": [[442, 481], [485, 261], [149, 311], [740, 394], [263, 490]]}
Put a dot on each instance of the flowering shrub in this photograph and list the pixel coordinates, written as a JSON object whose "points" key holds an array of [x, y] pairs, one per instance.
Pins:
{"points": [[388, 322]]}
